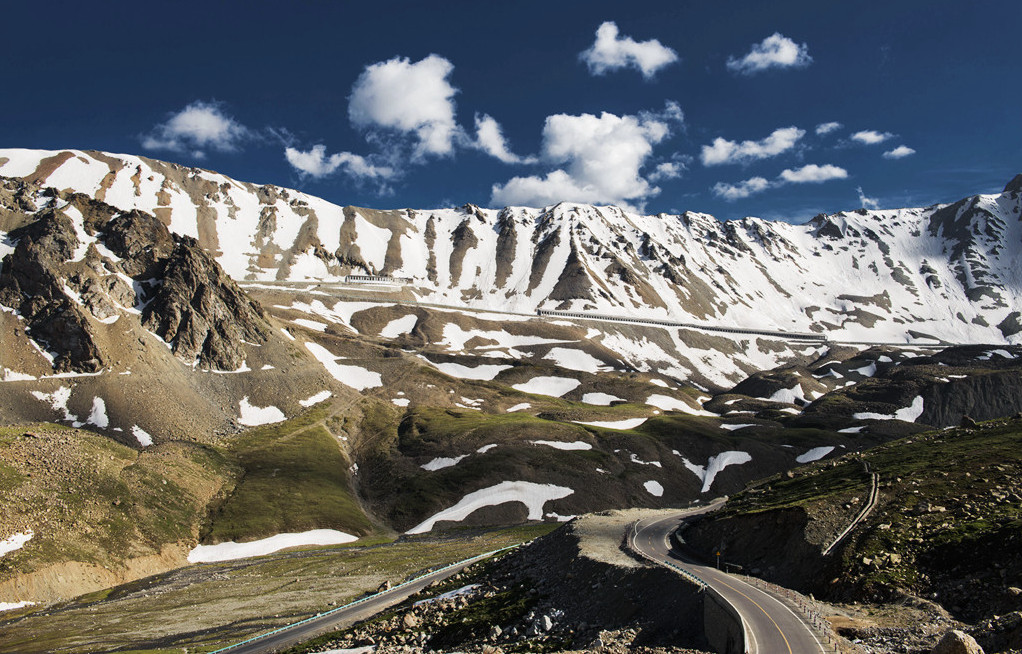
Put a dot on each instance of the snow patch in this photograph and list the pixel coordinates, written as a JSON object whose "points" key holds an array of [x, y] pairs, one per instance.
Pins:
{"points": [[654, 488], [600, 399], [533, 496], [354, 376], [815, 454], [399, 326], [441, 462], [715, 464], [484, 372], [629, 423], [734, 427], [15, 541], [519, 407], [561, 445], [908, 414], [668, 403], [230, 550], [316, 399], [10, 606], [552, 386], [142, 436], [573, 359], [253, 416]]}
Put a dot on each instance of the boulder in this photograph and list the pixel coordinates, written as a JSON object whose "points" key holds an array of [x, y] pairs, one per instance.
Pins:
{"points": [[957, 642]]}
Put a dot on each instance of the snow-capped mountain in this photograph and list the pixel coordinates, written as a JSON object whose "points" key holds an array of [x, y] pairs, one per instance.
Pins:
{"points": [[948, 272]]}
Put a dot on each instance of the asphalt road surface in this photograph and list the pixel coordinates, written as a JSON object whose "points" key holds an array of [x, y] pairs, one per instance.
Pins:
{"points": [[344, 617], [773, 627]]}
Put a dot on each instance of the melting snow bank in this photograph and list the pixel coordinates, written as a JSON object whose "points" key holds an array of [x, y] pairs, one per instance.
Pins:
{"points": [[715, 465], [533, 496], [630, 423], [815, 454], [142, 436], [15, 542], [464, 590], [10, 606], [230, 550], [908, 414]]}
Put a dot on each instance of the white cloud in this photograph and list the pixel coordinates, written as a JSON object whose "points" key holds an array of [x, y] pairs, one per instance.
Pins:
{"points": [[775, 51], [722, 151], [743, 189], [808, 174], [315, 163], [827, 128], [666, 170], [600, 159], [813, 174], [198, 126], [609, 52], [409, 98], [490, 140], [899, 152], [867, 203], [871, 137]]}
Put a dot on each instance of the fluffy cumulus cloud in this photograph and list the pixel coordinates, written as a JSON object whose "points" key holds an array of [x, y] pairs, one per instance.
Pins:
{"points": [[196, 128], [808, 174], [315, 163], [490, 139], [827, 128], [813, 174], [871, 137], [408, 98], [775, 51], [612, 52], [599, 159], [723, 151], [899, 152]]}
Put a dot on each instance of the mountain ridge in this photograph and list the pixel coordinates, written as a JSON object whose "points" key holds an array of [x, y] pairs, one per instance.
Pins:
{"points": [[958, 260]]}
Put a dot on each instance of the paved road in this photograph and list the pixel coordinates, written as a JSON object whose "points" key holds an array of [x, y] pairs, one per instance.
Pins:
{"points": [[343, 617], [773, 627]]}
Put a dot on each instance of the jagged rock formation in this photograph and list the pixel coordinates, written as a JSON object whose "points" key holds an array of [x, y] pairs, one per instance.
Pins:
{"points": [[79, 262]]}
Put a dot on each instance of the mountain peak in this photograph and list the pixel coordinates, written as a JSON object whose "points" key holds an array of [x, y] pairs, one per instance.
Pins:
{"points": [[1015, 185]]}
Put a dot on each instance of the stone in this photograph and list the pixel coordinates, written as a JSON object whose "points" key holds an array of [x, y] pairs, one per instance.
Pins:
{"points": [[957, 642], [410, 621]]}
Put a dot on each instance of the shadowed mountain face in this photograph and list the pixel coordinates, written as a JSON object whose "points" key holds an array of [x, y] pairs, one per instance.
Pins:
{"points": [[945, 272]]}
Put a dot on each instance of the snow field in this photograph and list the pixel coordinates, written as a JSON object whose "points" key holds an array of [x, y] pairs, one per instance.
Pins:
{"points": [[230, 550], [484, 372], [399, 326], [533, 496], [715, 464], [572, 359]]}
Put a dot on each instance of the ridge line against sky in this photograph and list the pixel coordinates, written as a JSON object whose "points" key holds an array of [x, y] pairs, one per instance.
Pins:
{"points": [[780, 112]]}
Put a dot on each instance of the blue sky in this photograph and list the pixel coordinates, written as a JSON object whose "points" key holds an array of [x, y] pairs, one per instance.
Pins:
{"points": [[661, 106]]}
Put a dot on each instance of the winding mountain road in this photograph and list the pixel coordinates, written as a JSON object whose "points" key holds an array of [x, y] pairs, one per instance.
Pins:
{"points": [[772, 627]]}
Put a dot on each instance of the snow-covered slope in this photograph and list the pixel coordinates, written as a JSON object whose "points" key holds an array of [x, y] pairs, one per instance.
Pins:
{"points": [[950, 272]]}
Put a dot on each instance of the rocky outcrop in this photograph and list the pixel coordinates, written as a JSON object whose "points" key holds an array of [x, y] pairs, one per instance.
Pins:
{"points": [[82, 264], [201, 312]]}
